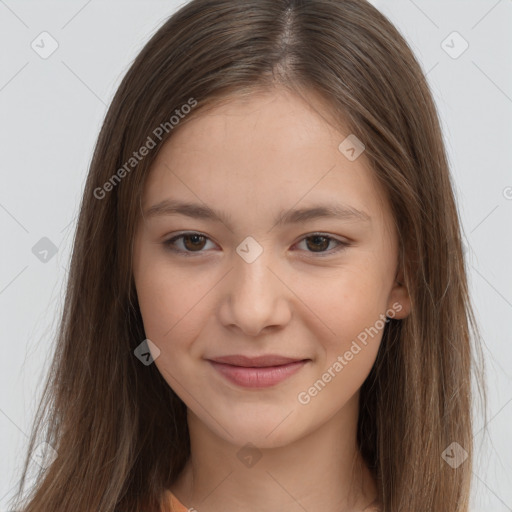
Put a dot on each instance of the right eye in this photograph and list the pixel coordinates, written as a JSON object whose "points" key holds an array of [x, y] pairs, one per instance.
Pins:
{"points": [[191, 241]]}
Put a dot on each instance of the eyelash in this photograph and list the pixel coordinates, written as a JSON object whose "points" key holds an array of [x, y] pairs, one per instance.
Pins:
{"points": [[341, 244]]}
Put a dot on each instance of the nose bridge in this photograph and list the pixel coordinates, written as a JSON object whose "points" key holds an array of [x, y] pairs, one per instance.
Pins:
{"points": [[256, 298], [252, 275]]}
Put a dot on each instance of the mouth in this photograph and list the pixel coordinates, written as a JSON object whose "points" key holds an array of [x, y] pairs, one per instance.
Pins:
{"points": [[257, 372]]}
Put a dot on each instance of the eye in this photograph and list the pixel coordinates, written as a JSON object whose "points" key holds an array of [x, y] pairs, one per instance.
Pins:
{"points": [[320, 242], [193, 242]]}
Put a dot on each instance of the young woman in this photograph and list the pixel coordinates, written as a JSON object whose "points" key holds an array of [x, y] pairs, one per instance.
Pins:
{"points": [[267, 305]]}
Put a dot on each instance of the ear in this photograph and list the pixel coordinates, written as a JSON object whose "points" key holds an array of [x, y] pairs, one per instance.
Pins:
{"points": [[399, 302]]}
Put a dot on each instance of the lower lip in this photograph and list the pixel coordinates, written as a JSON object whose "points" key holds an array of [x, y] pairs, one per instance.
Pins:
{"points": [[260, 377]]}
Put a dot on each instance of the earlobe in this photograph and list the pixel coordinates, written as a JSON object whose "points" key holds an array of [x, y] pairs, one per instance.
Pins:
{"points": [[399, 301]]}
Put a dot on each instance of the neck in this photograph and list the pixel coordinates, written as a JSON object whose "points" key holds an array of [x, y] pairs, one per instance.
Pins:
{"points": [[323, 470]]}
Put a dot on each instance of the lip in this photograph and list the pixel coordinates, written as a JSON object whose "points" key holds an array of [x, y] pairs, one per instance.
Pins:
{"points": [[257, 372], [257, 361]]}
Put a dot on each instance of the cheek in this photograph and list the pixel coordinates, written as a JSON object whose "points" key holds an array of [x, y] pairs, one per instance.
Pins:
{"points": [[170, 307], [352, 306], [157, 301], [172, 304], [346, 303], [160, 297], [163, 291]]}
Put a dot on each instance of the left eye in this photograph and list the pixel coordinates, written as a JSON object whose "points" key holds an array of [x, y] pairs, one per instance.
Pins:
{"points": [[195, 242], [322, 242]]}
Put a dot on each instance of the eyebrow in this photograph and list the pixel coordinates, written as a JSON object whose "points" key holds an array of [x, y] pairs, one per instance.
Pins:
{"points": [[296, 216]]}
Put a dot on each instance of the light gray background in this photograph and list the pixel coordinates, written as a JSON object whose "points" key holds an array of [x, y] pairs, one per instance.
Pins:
{"points": [[50, 114]]}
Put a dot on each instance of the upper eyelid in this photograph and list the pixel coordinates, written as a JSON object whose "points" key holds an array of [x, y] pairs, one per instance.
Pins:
{"points": [[331, 237], [307, 235]]}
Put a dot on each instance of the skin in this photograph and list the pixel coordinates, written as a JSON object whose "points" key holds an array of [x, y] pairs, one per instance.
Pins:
{"points": [[253, 158]]}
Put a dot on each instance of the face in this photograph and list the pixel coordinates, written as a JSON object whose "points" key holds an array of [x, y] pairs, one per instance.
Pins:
{"points": [[254, 266]]}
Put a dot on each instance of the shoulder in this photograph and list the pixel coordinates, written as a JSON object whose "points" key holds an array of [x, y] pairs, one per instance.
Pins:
{"points": [[173, 504]]}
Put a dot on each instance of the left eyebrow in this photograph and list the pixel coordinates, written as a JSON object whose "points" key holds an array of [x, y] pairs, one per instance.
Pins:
{"points": [[296, 216], [336, 211]]}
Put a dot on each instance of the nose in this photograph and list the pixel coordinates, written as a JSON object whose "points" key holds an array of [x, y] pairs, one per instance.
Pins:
{"points": [[255, 298]]}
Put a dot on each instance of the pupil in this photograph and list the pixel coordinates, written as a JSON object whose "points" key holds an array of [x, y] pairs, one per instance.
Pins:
{"points": [[324, 245], [195, 240]]}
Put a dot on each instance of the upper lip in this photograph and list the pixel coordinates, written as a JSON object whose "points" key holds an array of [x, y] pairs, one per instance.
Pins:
{"points": [[259, 361]]}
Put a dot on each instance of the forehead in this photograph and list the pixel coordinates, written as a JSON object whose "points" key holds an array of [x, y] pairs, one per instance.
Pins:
{"points": [[253, 152], [254, 120]]}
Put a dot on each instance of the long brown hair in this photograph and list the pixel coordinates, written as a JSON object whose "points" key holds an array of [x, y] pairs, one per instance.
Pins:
{"points": [[119, 430]]}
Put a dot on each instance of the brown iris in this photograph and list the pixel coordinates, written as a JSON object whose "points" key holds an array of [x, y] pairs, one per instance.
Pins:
{"points": [[324, 245], [196, 241]]}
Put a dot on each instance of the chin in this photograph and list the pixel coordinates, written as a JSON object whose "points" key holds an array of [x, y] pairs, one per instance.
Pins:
{"points": [[267, 431]]}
